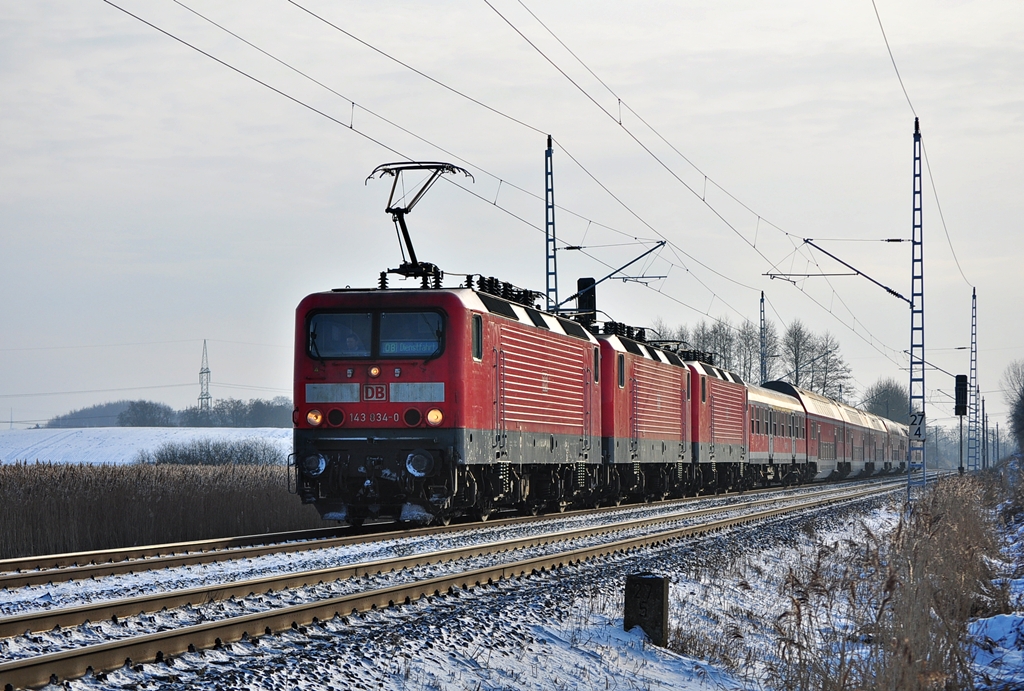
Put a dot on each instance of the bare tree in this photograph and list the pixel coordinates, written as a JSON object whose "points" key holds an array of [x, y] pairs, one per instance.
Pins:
{"points": [[887, 398], [701, 338], [147, 414], [797, 350], [773, 363], [747, 352], [1013, 392], [660, 329], [723, 339], [830, 375]]}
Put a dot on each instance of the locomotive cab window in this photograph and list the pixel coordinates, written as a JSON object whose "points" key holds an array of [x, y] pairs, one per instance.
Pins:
{"points": [[703, 389], [597, 364], [347, 335], [340, 335], [478, 337], [622, 371], [410, 334]]}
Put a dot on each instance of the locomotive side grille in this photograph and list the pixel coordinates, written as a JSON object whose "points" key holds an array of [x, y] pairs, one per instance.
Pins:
{"points": [[660, 397], [727, 412], [543, 380]]}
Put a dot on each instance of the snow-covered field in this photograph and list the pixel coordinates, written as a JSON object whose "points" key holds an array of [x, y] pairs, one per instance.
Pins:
{"points": [[119, 444], [560, 630]]}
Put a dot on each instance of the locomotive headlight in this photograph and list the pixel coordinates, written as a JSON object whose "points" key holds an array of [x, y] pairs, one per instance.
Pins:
{"points": [[434, 417], [314, 417], [314, 464], [374, 372], [419, 463]]}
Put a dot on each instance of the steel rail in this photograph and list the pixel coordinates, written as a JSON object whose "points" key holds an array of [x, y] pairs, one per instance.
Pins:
{"points": [[163, 646], [119, 554], [19, 579], [102, 556], [44, 620]]}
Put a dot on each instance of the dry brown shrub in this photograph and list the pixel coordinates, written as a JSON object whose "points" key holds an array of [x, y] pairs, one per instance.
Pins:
{"points": [[51, 508], [895, 617]]}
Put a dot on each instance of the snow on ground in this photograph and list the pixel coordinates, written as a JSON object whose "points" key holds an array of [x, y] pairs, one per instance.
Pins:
{"points": [[97, 445], [999, 640], [561, 630]]}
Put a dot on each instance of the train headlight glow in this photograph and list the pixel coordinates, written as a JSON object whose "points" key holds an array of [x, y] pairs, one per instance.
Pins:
{"points": [[419, 463], [374, 372], [314, 464], [314, 417], [434, 417]]}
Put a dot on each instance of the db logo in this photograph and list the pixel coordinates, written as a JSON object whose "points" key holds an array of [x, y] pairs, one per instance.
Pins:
{"points": [[375, 392]]}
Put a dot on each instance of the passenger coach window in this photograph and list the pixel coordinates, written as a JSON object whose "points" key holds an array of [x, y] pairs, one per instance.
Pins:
{"points": [[340, 335], [410, 334], [478, 337]]}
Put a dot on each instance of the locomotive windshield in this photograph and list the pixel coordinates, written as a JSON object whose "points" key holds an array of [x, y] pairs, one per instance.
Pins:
{"points": [[410, 334], [333, 335]]}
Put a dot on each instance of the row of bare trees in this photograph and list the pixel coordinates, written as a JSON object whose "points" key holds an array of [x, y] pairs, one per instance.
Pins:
{"points": [[808, 360], [1013, 390]]}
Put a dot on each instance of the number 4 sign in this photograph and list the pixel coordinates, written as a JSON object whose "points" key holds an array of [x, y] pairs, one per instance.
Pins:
{"points": [[917, 429]]}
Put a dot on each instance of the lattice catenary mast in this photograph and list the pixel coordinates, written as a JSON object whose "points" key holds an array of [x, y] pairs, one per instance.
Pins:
{"points": [[205, 400], [972, 390], [549, 227], [917, 390], [764, 344]]}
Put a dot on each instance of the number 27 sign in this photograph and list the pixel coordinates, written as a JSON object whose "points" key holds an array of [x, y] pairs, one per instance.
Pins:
{"points": [[917, 428]]}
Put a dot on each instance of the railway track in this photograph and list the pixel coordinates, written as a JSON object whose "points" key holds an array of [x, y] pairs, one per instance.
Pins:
{"points": [[164, 645], [40, 570]]}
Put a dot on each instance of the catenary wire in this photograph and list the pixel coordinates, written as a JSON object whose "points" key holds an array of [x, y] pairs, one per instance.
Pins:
{"points": [[702, 197], [531, 127], [378, 142], [68, 393], [500, 180], [891, 57], [935, 193], [352, 127], [630, 134], [924, 149]]}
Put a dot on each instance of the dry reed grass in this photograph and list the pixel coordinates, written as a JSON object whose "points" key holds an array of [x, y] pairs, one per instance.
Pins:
{"points": [[878, 611], [51, 508], [895, 616]]}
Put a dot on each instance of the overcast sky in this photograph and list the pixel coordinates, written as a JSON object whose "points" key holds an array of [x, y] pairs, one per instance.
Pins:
{"points": [[151, 198]]}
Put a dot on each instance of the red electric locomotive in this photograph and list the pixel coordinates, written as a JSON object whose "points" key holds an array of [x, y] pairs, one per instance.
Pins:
{"points": [[425, 404]]}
